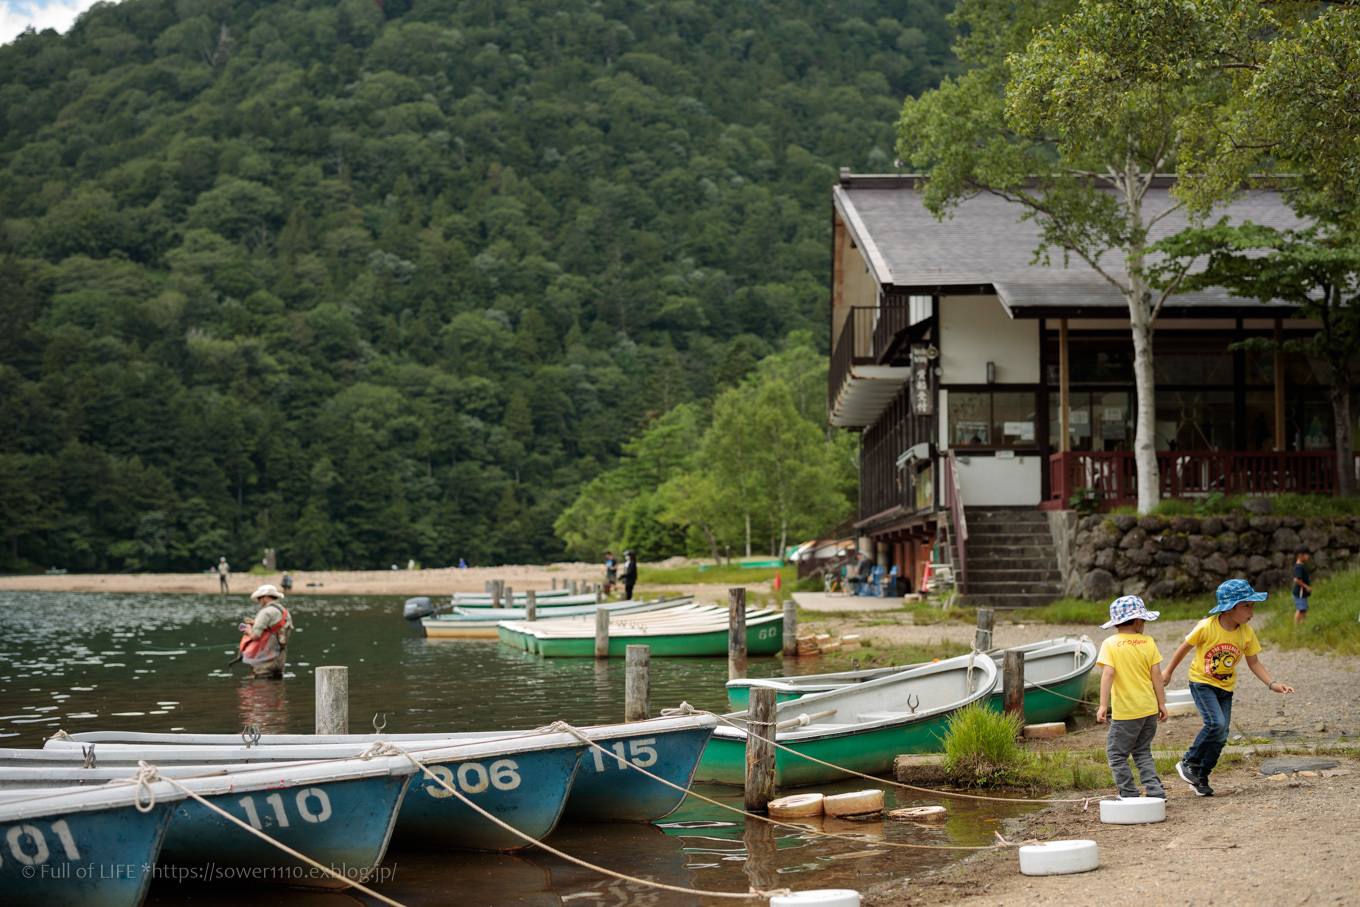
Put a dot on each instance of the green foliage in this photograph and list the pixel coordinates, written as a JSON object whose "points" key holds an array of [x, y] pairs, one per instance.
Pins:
{"points": [[980, 748], [1333, 622], [363, 282], [1080, 611]]}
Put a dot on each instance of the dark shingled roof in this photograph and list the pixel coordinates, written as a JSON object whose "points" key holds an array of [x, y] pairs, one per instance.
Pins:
{"points": [[986, 246]]}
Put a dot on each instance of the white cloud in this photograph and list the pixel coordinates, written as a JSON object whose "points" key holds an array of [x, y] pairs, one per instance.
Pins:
{"points": [[17, 15]]}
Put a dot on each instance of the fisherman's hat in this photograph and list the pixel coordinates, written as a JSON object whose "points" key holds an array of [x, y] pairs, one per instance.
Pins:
{"points": [[268, 589], [1128, 607]]}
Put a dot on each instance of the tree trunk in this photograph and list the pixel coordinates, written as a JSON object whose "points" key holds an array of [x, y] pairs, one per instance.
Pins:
{"points": [[712, 542], [1145, 436], [748, 533], [1340, 392]]}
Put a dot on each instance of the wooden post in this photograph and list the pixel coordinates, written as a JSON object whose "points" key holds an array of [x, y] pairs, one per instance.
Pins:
{"points": [[486, 587], [637, 683], [495, 593], [1013, 683], [599, 596], [332, 700], [508, 597], [1064, 394], [554, 583], [1279, 386], [531, 605], [982, 639], [760, 750], [736, 634], [573, 587], [790, 627], [601, 633]]}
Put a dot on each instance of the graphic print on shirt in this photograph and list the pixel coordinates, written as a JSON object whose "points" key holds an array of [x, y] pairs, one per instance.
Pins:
{"points": [[1221, 661]]}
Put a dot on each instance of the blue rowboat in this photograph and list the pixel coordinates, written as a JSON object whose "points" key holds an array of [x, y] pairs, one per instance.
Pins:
{"points": [[340, 813], [81, 848], [480, 623], [523, 779], [603, 790]]}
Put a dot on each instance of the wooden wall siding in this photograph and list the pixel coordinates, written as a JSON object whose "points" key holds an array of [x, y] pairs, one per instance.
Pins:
{"points": [[880, 445]]}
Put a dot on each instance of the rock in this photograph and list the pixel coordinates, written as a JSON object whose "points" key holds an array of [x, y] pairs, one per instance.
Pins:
{"points": [[1201, 546], [1236, 523], [1259, 506], [1278, 721], [1123, 522], [1288, 765], [1321, 728], [1269, 581], [1237, 562], [1315, 539], [1168, 558], [1172, 542], [1277, 559], [1227, 543], [1265, 524], [1211, 525], [1283, 539], [1308, 774], [1278, 777], [1105, 536], [1342, 537], [1139, 557], [1134, 586], [1105, 558], [1152, 523], [1134, 538], [1257, 564], [1191, 565], [1216, 564], [1125, 568], [1185, 525], [1160, 589], [1091, 522], [1083, 539], [1097, 585], [921, 770], [1251, 542], [1084, 559], [1334, 772]]}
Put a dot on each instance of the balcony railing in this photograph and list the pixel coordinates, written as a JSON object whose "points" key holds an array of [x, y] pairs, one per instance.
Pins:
{"points": [[865, 338], [1112, 477]]}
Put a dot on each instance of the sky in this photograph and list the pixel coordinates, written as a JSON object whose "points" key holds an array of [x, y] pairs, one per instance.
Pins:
{"points": [[17, 15]]}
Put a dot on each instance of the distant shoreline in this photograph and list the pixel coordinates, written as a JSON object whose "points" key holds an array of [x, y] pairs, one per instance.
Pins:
{"points": [[436, 582]]}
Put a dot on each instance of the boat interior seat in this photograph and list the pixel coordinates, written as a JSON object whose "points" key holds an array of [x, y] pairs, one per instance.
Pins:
{"points": [[881, 716]]}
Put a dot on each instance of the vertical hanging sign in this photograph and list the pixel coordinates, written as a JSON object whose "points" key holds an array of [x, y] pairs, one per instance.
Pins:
{"points": [[922, 400]]}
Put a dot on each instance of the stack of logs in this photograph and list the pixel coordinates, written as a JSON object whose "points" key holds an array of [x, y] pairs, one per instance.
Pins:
{"points": [[822, 643]]}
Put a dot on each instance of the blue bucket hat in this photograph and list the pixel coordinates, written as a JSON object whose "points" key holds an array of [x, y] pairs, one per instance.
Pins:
{"points": [[1128, 607], [1232, 591]]}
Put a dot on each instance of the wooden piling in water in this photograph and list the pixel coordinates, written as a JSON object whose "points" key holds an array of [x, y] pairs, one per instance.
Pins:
{"points": [[530, 605], [637, 683], [508, 597], [573, 587], [1013, 683], [332, 700], [599, 595], [790, 627], [760, 749], [982, 639], [601, 633], [736, 634]]}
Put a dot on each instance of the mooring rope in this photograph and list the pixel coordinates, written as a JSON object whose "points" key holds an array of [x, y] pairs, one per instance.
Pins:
{"points": [[530, 839], [150, 772]]}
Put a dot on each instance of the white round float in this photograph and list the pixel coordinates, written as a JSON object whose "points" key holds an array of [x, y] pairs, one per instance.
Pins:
{"points": [[919, 814], [826, 897], [855, 803], [799, 806], [1133, 811], [1053, 858]]}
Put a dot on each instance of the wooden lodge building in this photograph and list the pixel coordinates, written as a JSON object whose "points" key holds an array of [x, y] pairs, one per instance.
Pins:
{"points": [[951, 351]]}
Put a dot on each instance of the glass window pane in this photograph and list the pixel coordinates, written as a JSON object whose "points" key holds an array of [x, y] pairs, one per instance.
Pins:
{"points": [[1013, 420], [970, 419]]}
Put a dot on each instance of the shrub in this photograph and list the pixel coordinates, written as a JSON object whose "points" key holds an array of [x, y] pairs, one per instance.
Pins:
{"points": [[980, 748]]}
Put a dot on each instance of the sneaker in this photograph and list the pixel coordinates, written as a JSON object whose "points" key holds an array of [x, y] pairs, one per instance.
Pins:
{"points": [[1190, 775], [1204, 782]]}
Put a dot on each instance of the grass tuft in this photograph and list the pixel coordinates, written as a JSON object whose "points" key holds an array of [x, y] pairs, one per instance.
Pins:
{"points": [[980, 748], [1332, 624]]}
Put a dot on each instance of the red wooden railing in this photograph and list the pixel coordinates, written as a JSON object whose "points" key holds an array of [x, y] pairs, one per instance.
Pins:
{"points": [[1112, 477], [953, 499], [864, 339]]}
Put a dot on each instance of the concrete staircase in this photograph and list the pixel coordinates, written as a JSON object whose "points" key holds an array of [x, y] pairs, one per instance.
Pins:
{"points": [[1012, 562]]}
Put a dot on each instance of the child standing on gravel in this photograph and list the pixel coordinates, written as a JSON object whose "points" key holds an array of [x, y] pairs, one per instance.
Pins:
{"points": [[1220, 642], [1129, 661]]}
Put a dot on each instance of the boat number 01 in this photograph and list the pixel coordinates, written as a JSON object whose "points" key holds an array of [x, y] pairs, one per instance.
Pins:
{"points": [[643, 752], [473, 777], [312, 804], [34, 851]]}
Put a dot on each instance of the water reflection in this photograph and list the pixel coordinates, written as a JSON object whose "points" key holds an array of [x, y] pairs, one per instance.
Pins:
{"points": [[263, 704]]}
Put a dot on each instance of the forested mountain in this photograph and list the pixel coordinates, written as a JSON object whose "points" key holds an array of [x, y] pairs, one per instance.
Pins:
{"points": [[376, 279]]}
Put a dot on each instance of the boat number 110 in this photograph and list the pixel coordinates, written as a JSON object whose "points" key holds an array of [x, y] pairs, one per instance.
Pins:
{"points": [[312, 804], [642, 750]]}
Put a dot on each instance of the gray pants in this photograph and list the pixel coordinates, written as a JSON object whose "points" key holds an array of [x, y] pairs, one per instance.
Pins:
{"points": [[1133, 737]]}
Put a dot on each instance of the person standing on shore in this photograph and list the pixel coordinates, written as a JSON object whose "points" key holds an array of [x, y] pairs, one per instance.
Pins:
{"points": [[223, 571], [1302, 587], [611, 572], [629, 574], [264, 643], [1129, 672]]}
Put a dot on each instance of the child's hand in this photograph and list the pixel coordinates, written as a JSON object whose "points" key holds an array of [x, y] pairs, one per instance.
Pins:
{"points": [[1161, 711], [1284, 688], [1100, 714], [1166, 678]]}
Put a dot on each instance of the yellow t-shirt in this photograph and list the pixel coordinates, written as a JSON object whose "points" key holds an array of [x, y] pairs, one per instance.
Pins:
{"points": [[1132, 656], [1218, 652]]}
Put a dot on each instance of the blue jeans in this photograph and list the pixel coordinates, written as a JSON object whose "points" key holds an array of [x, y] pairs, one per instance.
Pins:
{"points": [[1215, 707]]}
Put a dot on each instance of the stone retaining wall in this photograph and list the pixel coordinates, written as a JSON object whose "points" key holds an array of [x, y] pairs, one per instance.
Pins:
{"points": [[1161, 557]]}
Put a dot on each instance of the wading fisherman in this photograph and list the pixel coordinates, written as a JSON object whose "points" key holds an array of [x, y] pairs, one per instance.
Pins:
{"points": [[264, 640]]}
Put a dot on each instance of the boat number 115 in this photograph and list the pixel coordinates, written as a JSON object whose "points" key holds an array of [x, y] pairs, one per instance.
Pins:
{"points": [[642, 750]]}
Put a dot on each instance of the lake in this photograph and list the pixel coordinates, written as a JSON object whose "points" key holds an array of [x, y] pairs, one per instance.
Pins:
{"points": [[92, 661]]}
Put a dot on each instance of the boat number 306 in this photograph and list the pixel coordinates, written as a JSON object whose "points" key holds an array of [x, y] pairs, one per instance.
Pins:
{"points": [[473, 777], [642, 751]]}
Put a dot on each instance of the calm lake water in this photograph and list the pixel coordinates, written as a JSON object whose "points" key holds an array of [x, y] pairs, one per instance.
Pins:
{"points": [[89, 661]]}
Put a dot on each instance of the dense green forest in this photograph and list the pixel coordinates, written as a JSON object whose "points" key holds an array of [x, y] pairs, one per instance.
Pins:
{"points": [[364, 281]]}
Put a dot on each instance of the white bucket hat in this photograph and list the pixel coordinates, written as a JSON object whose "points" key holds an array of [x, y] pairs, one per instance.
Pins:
{"points": [[268, 589]]}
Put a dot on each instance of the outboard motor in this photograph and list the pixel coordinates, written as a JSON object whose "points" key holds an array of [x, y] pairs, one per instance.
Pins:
{"points": [[417, 608]]}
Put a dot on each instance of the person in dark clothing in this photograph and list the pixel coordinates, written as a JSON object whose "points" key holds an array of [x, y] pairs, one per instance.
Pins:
{"points": [[864, 569], [1301, 587], [629, 574]]}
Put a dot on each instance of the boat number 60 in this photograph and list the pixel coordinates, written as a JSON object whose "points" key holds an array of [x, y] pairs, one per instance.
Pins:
{"points": [[642, 750], [768, 632], [28, 844], [473, 777]]}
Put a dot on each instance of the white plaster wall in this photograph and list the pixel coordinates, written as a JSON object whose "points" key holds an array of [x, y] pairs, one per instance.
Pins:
{"points": [[975, 330], [999, 481]]}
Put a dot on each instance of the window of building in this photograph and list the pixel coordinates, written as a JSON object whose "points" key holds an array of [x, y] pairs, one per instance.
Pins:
{"points": [[992, 420]]}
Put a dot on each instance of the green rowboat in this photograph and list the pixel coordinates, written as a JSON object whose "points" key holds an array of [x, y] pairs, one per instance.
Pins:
{"points": [[690, 630], [862, 727]]}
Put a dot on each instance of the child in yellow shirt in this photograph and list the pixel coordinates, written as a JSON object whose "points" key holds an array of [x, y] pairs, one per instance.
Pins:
{"points": [[1129, 661], [1220, 642]]}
